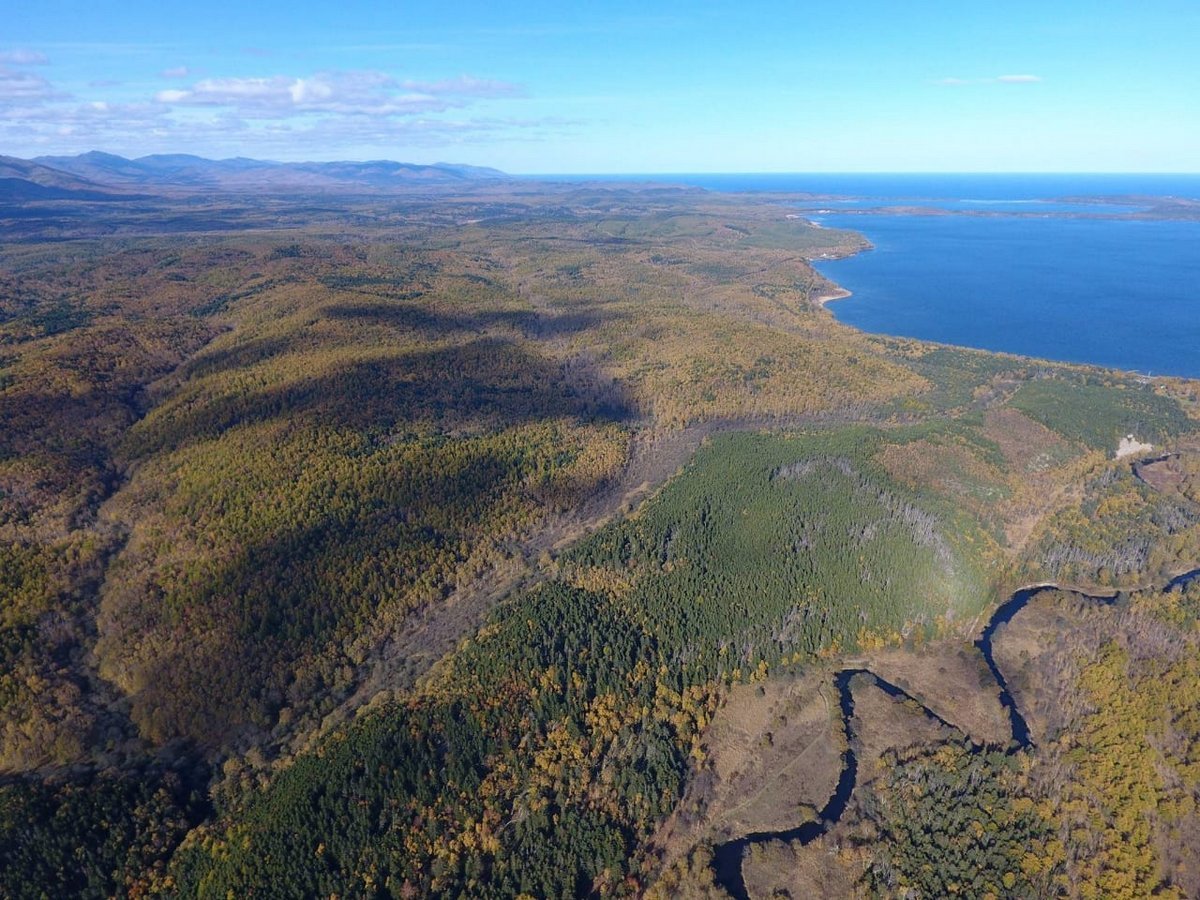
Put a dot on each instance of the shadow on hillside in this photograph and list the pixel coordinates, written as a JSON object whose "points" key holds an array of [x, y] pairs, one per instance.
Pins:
{"points": [[486, 383], [531, 324], [239, 356], [345, 551], [416, 319]]}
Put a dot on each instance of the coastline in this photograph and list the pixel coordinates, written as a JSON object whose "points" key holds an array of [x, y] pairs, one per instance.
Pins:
{"points": [[837, 294], [1000, 316]]}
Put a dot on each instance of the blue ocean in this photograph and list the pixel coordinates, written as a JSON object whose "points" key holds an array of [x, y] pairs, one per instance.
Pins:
{"points": [[1030, 277]]}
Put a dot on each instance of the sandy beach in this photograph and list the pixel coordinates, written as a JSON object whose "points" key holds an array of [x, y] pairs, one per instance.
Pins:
{"points": [[839, 294]]}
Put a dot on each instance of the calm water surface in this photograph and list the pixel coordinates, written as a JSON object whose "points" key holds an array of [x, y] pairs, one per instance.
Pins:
{"points": [[1098, 290], [1116, 293]]}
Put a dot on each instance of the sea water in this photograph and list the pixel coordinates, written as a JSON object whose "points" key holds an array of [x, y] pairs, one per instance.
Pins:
{"points": [[1041, 274], [1119, 293]]}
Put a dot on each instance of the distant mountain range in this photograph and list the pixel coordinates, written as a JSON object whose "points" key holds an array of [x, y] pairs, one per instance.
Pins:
{"points": [[21, 179], [105, 176]]}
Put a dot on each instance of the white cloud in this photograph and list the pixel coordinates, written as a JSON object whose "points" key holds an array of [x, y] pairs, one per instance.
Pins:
{"points": [[1018, 79], [310, 90], [323, 113], [348, 93], [952, 82], [23, 57], [175, 72], [87, 125], [137, 129]]}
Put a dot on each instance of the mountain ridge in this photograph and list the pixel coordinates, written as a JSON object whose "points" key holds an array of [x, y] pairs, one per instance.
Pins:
{"points": [[99, 175], [23, 179]]}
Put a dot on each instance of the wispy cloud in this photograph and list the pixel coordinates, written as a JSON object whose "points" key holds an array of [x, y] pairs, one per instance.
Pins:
{"points": [[279, 115], [17, 86], [69, 126], [284, 138], [136, 129], [348, 93], [465, 86], [390, 47], [23, 57], [998, 79]]}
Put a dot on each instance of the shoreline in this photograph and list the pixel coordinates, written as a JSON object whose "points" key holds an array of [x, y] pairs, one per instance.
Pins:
{"points": [[828, 297], [836, 292]]}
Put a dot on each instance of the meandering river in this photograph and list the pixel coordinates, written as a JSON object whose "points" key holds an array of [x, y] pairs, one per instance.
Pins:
{"points": [[727, 857]]}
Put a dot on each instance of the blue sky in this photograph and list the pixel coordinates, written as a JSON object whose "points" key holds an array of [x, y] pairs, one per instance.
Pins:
{"points": [[1103, 85]]}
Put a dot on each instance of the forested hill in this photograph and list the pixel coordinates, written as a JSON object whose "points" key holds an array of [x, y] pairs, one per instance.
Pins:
{"points": [[402, 546]]}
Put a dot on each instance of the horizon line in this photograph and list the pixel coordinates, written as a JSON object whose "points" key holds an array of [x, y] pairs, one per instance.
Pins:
{"points": [[853, 172], [634, 174]]}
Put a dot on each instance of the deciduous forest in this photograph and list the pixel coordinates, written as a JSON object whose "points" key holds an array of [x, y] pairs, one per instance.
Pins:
{"points": [[494, 542]]}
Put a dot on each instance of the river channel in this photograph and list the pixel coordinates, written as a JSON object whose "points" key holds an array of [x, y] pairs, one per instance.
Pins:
{"points": [[727, 857]]}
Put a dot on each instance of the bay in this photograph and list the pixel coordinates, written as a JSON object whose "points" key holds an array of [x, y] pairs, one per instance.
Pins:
{"points": [[1041, 274], [1112, 292]]}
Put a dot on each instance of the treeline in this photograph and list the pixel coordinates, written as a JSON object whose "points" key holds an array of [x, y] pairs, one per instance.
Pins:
{"points": [[375, 421]]}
